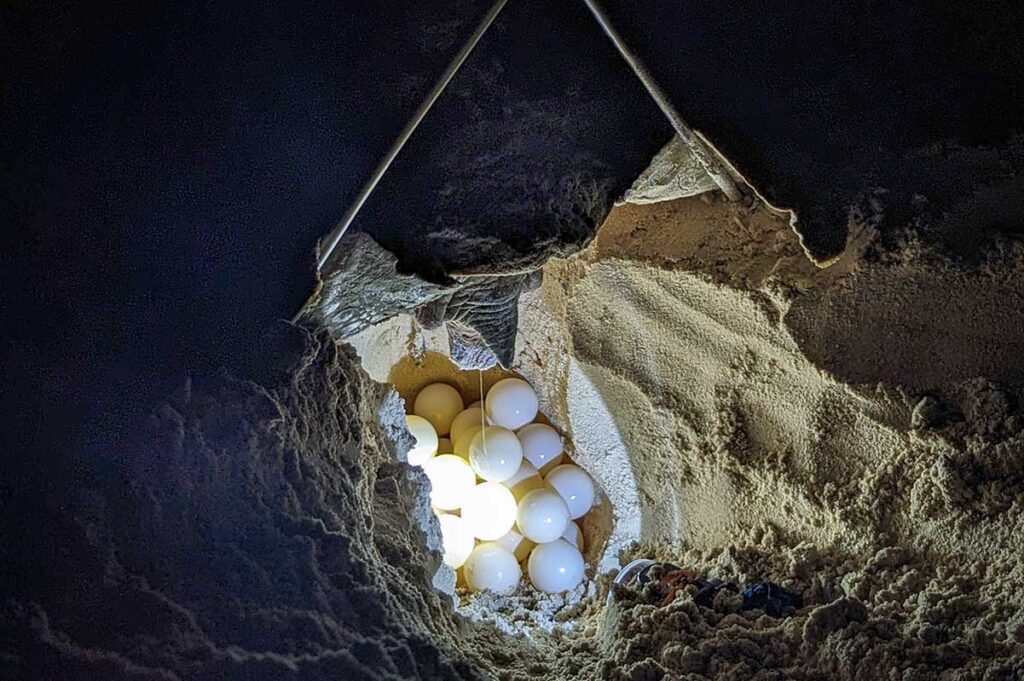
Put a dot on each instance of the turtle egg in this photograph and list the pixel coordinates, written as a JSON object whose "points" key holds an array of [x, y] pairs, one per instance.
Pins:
{"points": [[457, 539], [542, 445], [575, 487], [426, 440], [491, 567], [511, 403], [438, 403], [495, 453], [467, 419], [489, 510], [451, 481], [555, 567], [542, 515]]}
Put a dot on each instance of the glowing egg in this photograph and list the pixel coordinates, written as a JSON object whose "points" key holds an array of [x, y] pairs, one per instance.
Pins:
{"points": [[451, 481], [542, 445], [467, 419], [495, 453], [492, 567], [426, 440], [519, 545], [526, 479], [438, 403], [457, 540], [573, 535], [511, 403], [462, 444], [555, 567], [575, 486], [542, 515], [444, 446], [489, 510]]}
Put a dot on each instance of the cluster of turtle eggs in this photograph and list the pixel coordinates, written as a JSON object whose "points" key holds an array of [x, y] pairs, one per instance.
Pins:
{"points": [[503, 489]]}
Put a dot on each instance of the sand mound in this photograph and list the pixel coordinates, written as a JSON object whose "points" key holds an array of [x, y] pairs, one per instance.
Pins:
{"points": [[898, 517]]}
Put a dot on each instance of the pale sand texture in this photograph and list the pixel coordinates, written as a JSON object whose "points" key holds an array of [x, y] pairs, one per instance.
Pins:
{"points": [[753, 462]]}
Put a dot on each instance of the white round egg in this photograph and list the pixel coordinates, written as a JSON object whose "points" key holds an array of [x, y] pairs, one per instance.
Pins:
{"points": [[491, 567], [542, 515], [438, 403], [467, 418], [489, 510], [511, 403], [426, 440], [542, 445], [451, 481], [555, 567], [457, 539], [575, 486], [495, 453]]}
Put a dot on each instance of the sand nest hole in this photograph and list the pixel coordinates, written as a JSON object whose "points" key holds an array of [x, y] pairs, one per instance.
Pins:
{"points": [[451, 420], [624, 351]]}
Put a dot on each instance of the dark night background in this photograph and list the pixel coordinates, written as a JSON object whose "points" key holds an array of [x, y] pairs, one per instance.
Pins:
{"points": [[168, 167]]}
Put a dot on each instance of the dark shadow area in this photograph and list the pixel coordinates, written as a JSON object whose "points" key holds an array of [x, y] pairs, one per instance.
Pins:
{"points": [[250, 531], [171, 169], [868, 331], [816, 104], [167, 169]]}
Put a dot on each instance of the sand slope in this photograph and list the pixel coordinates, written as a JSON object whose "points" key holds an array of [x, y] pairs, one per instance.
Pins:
{"points": [[765, 441]]}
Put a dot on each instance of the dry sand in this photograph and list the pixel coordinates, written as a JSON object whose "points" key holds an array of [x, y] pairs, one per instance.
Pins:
{"points": [[851, 432], [721, 356]]}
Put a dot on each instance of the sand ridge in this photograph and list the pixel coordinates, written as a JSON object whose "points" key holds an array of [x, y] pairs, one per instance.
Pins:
{"points": [[754, 459]]}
